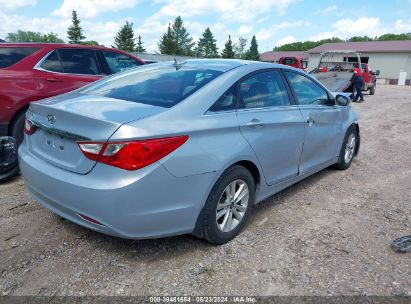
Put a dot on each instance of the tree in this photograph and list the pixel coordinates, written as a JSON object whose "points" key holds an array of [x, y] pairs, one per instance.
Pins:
{"points": [[239, 47], [405, 36], [140, 47], [124, 39], [360, 39], [183, 42], [252, 53], [75, 32], [306, 45], [206, 46], [90, 42], [228, 51], [167, 44], [27, 36]]}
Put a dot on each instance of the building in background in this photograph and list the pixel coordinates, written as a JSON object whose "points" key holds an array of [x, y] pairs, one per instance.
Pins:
{"points": [[391, 58]]}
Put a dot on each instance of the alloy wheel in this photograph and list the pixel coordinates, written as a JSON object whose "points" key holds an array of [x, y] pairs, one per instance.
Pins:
{"points": [[350, 148], [232, 205]]}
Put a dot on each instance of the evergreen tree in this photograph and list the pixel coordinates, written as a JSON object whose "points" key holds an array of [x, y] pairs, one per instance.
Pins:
{"points": [[206, 46], [167, 44], [252, 53], [75, 32], [183, 42], [228, 51], [140, 47], [124, 39], [239, 48]]}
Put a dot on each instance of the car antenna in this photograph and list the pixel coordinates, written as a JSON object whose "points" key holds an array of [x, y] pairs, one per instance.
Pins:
{"points": [[177, 65]]}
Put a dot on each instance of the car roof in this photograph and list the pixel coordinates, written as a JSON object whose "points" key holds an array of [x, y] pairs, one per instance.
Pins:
{"points": [[222, 65], [55, 45], [52, 46]]}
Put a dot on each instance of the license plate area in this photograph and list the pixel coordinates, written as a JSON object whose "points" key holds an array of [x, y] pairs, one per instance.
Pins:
{"points": [[59, 150]]}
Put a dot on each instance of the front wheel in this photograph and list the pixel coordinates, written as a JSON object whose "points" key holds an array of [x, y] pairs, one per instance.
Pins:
{"points": [[228, 205], [348, 149], [372, 89]]}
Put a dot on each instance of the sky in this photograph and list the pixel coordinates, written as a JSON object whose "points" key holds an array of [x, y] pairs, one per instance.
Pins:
{"points": [[274, 22]]}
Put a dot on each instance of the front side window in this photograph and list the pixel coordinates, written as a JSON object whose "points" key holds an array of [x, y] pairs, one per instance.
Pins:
{"points": [[12, 55], [308, 92], [265, 89], [79, 61], [118, 62], [164, 85]]}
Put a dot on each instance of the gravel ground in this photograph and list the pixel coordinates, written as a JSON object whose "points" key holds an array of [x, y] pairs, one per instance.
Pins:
{"points": [[327, 235]]}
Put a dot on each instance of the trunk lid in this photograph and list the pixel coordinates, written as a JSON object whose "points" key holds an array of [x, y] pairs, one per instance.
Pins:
{"points": [[64, 120]]}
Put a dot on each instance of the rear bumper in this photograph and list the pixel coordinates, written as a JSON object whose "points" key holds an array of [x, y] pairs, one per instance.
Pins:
{"points": [[146, 203]]}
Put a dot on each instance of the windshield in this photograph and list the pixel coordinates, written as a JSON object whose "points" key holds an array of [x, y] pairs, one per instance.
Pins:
{"points": [[158, 84]]}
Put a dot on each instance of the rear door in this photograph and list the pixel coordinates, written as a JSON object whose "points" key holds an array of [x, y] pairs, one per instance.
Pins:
{"points": [[323, 121], [64, 70], [271, 124]]}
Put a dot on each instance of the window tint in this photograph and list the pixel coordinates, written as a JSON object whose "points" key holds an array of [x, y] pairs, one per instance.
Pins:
{"points": [[12, 55], [265, 89], [307, 91], [163, 85], [117, 62], [52, 63], [79, 61], [226, 102]]}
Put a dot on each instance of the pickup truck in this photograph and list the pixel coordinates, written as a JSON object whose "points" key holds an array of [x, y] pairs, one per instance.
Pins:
{"points": [[338, 76], [295, 62]]}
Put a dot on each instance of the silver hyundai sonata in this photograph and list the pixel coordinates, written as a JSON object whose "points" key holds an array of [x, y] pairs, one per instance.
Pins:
{"points": [[175, 148]]}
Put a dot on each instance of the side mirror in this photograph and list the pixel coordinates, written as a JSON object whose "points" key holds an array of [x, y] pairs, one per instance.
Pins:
{"points": [[342, 100], [377, 72]]}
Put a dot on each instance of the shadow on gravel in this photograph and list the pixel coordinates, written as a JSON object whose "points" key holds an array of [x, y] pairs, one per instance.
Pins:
{"points": [[153, 249]]}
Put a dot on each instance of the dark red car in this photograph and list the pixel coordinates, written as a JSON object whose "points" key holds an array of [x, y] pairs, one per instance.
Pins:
{"points": [[34, 71]]}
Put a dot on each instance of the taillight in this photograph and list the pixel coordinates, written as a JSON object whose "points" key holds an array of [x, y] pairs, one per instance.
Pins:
{"points": [[29, 127], [131, 155]]}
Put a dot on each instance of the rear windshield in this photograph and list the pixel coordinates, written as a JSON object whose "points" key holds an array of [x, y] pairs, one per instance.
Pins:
{"points": [[158, 85], [12, 55]]}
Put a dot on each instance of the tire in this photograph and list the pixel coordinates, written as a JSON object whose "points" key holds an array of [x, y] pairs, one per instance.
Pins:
{"points": [[17, 129], [212, 227], [372, 89], [348, 149]]}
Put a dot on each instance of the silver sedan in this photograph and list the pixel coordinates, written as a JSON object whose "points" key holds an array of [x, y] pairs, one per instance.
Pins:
{"points": [[174, 148]]}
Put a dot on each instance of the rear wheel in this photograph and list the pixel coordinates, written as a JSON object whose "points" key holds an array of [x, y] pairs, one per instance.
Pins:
{"points": [[228, 205], [348, 149], [372, 89], [17, 129]]}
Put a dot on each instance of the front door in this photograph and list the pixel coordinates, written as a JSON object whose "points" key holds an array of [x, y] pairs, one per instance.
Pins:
{"points": [[322, 118], [271, 124]]}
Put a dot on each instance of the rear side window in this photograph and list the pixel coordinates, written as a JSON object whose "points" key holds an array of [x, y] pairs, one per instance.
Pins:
{"points": [[12, 55], [265, 89], [117, 62], [79, 61], [226, 102], [52, 63], [163, 86]]}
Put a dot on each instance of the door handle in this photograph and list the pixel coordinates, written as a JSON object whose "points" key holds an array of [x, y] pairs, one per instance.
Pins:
{"points": [[54, 79], [255, 123]]}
